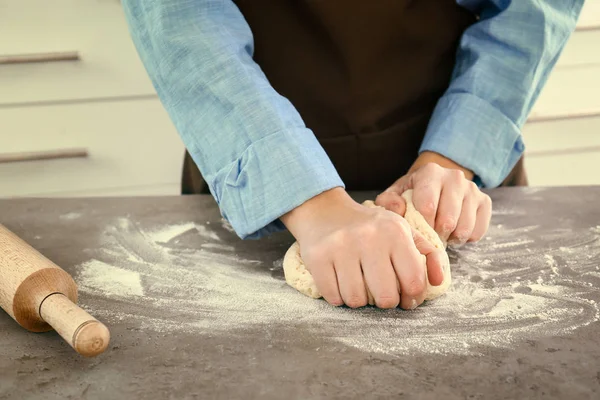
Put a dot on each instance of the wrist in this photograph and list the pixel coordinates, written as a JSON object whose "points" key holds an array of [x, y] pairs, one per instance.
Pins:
{"points": [[300, 220], [431, 157]]}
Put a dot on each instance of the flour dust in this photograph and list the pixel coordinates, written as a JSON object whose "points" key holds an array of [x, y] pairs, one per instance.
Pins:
{"points": [[503, 292]]}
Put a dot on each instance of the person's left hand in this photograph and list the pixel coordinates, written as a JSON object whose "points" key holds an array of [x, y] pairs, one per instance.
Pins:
{"points": [[444, 193]]}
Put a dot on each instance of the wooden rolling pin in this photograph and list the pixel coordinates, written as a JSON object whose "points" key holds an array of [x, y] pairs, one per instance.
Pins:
{"points": [[40, 296]]}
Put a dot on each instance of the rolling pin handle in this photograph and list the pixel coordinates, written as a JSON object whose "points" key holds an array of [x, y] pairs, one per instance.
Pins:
{"points": [[88, 336]]}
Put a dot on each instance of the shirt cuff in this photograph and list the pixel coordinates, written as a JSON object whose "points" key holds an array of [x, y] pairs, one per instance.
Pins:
{"points": [[272, 177], [476, 135]]}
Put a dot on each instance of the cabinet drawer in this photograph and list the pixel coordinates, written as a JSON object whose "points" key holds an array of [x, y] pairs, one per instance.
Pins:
{"points": [[590, 15], [130, 144], [570, 90], [581, 49], [562, 135], [565, 152], [108, 67], [564, 169]]}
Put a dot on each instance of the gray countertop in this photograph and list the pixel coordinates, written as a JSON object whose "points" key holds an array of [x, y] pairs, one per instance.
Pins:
{"points": [[196, 313]]}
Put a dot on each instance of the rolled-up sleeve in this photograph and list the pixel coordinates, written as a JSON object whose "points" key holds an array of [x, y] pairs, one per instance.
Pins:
{"points": [[503, 61], [251, 145]]}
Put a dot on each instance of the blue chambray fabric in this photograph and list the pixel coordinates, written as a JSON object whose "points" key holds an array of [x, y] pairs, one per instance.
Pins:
{"points": [[255, 152]]}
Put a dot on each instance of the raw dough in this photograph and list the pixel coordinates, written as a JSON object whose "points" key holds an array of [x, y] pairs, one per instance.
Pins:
{"points": [[298, 277]]}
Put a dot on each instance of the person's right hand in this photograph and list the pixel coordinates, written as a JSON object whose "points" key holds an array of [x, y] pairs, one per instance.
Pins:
{"points": [[348, 247]]}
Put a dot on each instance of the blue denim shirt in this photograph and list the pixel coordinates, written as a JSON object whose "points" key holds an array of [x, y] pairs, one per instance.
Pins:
{"points": [[259, 158]]}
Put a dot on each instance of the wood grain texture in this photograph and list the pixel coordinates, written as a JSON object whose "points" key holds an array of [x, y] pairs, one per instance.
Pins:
{"points": [[84, 333], [40, 296], [26, 278]]}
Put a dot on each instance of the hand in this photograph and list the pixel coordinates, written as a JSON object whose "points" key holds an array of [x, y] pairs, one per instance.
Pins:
{"points": [[348, 247], [445, 195]]}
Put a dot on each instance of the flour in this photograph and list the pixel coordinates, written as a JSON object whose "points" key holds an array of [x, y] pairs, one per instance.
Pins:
{"points": [[227, 226], [502, 294], [217, 246], [70, 216], [168, 233], [206, 233], [98, 277], [551, 263]]}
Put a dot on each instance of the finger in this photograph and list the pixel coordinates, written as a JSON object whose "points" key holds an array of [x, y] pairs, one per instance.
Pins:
{"points": [[326, 280], [409, 266], [427, 186], [392, 201], [381, 280], [350, 282], [484, 215], [370, 298], [435, 259], [466, 221], [449, 208]]}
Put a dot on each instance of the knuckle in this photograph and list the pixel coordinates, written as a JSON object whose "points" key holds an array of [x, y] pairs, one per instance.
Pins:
{"points": [[402, 227], [457, 174], [356, 301], [332, 243], [395, 227], [473, 187], [335, 300], [462, 233], [423, 179], [448, 223], [367, 233], [387, 301], [428, 209], [313, 254], [487, 200], [413, 288], [432, 167]]}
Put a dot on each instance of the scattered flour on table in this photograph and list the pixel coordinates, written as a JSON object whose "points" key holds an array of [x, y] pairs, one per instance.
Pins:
{"points": [[166, 234], [70, 216], [99, 277], [551, 263], [502, 292]]}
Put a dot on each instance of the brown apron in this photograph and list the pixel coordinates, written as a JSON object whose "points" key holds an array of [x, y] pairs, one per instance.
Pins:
{"points": [[364, 75]]}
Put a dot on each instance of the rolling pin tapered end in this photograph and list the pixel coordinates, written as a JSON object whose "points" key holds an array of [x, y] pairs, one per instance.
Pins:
{"points": [[88, 336], [91, 339]]}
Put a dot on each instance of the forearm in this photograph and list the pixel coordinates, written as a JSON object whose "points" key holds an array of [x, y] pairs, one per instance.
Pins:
{"points": [[251, 145], [503, 61]]}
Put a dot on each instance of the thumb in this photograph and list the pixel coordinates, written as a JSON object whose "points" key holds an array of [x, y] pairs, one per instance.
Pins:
{"points": [[434, 258], [392, 201]]}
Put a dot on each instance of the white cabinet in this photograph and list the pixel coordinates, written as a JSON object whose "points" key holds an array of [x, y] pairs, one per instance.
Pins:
{"points": [[590, 15], [104, 102], [563, 152], [133, 147], [563, 136], [570, 91], [579, 50], [108, 67]]}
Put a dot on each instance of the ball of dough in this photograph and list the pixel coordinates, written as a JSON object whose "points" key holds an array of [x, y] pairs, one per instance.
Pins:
{"points": [[298, 277]]}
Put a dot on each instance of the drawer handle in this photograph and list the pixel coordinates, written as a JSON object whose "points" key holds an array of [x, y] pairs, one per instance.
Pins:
{"points": [[535, 117], [43, 155], [39, 57]]}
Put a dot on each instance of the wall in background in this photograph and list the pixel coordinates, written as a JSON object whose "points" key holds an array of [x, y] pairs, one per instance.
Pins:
{"points": [[103, 102], [562, 136]]}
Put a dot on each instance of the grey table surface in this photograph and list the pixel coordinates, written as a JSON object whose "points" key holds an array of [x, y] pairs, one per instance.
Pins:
{"points": [[195, 312]]}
